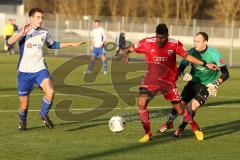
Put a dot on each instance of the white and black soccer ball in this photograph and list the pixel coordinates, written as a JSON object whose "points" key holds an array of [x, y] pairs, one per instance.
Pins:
{"points": [[117, 124]]}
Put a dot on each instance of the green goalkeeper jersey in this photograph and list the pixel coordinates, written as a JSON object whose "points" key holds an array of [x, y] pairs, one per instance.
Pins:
{"points": [[201, 74]]}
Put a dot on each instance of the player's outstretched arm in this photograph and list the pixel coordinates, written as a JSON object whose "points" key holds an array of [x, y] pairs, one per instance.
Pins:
{"points": [[225, 74], [16, 37], [213, 87], [126, 54], [70, 44], [194, 60]]}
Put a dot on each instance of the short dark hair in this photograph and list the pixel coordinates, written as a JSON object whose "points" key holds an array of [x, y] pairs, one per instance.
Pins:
{"points": [[204, 35], [162, 29], [97, 20], [33, 11]]}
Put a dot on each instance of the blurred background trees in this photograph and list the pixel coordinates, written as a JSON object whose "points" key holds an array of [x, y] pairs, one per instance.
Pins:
{"points": [[225, 10]]}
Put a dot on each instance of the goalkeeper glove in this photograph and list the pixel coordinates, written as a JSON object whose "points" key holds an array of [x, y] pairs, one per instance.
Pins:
{"points": [[212, 88], [186, 77]]}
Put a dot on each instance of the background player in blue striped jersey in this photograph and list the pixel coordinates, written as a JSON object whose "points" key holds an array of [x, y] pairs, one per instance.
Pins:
{"points": [[32, 68], [99, 38]]}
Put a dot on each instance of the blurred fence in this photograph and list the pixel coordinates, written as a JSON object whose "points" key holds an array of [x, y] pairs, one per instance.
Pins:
{"points": [[224, 37]]}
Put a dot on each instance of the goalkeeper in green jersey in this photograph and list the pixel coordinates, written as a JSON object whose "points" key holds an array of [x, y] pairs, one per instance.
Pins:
{"points": [[202, 82]]}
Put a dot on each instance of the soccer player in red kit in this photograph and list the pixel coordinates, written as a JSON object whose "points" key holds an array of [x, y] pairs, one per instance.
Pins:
{"points": [[161, 76]]}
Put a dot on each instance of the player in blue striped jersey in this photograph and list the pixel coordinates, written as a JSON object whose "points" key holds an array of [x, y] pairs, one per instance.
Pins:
{"points": [[32, 68]]}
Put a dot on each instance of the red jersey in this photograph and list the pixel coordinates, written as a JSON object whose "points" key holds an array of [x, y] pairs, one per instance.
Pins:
{"points": [[161, 61]]}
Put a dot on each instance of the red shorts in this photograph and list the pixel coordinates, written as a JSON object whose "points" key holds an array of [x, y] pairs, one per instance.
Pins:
{"points": [[168, 89]]}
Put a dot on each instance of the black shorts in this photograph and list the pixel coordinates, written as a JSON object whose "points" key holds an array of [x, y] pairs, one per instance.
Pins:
{"points": [[195, 91]]}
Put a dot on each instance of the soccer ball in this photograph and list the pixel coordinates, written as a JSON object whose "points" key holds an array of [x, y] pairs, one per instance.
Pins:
{"points": [[117, 124]]}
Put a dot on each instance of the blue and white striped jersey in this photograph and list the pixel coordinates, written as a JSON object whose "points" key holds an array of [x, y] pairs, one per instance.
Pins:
{"points": [[98, 37], [31, 50]]}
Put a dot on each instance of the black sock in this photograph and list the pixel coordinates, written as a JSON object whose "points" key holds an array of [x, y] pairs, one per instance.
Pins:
{"points": [[193, 114], [184, 123], [171, 117], [91, 65]]}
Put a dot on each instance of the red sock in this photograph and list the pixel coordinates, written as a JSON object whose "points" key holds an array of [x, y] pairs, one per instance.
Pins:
{"points": [[144, 118], [194, 126], [188, 118]]}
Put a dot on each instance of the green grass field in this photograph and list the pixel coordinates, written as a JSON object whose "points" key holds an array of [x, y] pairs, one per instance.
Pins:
{"points": [[90, 138]]}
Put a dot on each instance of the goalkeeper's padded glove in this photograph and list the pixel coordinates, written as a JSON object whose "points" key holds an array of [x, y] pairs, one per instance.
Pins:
{"points": [[187, 77], [212, 88]]}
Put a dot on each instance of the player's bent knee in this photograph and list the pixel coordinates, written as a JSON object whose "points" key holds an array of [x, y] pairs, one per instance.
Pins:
{"points": [[50, 91], [142, 102], [23, 99], [103, 58], [180, 111], [142, 107], [93, 58], [23, 103], [176, 102], [178, 106], [194, 108], [50, 94]]}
